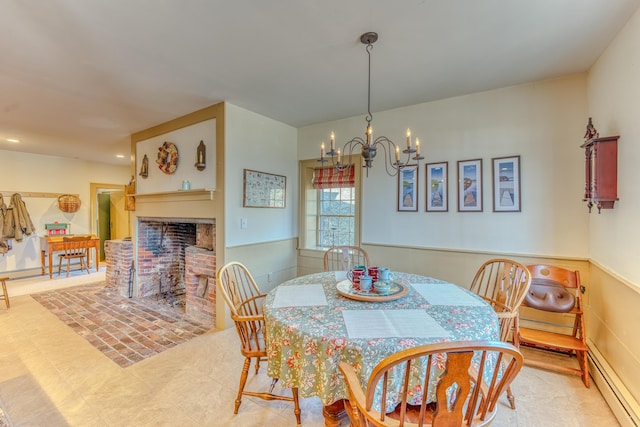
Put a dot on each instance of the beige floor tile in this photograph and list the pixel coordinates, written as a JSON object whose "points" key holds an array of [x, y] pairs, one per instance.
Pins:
{"points": [[50, 376]]}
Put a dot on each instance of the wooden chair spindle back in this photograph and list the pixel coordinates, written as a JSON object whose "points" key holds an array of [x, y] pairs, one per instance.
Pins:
{"points": [[343, 258], [463, 394], [503, 284]]}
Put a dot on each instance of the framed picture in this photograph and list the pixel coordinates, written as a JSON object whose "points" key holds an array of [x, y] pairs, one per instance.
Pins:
{"points": [[470, 185], [437, 187], [408, 188], [264, 190], [506, 184]]}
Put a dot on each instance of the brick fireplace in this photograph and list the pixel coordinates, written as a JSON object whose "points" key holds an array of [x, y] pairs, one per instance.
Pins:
{"points": [[176, 264]]}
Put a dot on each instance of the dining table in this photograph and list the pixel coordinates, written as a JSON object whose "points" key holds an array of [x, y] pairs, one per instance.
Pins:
{"points": [[315, 321]]}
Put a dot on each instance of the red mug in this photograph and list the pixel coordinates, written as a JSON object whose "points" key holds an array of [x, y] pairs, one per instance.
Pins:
{"points": [[373, 272], [354, 275]]}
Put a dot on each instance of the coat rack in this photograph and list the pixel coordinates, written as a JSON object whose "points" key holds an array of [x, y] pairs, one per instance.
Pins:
{"points": [[34, 194]]}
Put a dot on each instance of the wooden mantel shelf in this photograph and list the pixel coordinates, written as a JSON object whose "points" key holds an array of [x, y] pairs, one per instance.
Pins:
{"points": [[199, 194]]}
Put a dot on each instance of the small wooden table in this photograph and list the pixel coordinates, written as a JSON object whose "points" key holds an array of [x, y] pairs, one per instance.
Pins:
{"points": [[51, 244]]}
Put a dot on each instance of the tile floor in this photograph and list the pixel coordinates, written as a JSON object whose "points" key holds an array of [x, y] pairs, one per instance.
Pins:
{"points": [[51, 376]]}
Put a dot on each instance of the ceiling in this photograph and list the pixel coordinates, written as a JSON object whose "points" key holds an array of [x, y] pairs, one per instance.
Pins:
{"points": [[77, 77]]}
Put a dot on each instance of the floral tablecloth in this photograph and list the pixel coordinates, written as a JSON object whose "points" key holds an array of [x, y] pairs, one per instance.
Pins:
{"points": [[305, 343]]}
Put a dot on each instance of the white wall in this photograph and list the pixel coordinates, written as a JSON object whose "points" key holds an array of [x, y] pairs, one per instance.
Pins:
{"points": [[614, 104], [543, 122], [258, 143], [186, 141], [23, 172]]}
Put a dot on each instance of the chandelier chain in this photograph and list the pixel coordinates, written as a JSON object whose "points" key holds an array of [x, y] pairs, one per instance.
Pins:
{"points": [[369, 117]]}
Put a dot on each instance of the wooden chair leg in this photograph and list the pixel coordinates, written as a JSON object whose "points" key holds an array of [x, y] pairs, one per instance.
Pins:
{"points": [[515, 338], [584, 366], [296, 405], [83, 265], [511, 398], [4, 291], [243, 381]]}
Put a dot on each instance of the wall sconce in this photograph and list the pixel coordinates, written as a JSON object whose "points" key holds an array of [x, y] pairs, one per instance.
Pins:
{"points": [[201, 157], [144, 169]]}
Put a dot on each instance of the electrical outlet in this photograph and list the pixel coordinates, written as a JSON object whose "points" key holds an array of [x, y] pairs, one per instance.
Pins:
{"points": [[243, 223]]}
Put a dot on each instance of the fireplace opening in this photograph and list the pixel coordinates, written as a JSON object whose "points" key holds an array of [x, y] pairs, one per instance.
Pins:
{"points": [[176, 265], [161, 257], [170, 291], [172, 261]]}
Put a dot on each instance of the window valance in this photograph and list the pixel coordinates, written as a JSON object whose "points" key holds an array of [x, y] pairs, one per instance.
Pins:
{"points": [[333, 178]]}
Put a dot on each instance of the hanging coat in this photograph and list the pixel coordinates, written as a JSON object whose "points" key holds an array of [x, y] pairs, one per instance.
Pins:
{"points": [[22, 225], [5, 215]]}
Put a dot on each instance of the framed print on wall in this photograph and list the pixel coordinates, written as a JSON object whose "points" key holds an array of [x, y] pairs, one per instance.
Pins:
{"points": [[437, 187], [408, 188], [264, 190], [506, 184], [470, 185]]}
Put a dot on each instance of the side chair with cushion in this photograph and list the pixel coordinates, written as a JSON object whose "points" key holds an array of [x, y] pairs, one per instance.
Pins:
{"points": [[556, 293], [466, 393], [503, 284], [242, 295], [342, 258], [74, 247]]}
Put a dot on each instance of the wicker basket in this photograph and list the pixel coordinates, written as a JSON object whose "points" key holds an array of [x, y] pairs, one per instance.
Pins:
{"points": [[69, 203]]}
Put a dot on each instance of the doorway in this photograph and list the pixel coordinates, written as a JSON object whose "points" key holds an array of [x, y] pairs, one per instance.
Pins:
{"points": [[109, 219]]}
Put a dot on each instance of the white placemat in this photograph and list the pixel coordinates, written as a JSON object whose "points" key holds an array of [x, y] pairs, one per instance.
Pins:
{"points": [[446, 294], [391, 323], [299, 296]]}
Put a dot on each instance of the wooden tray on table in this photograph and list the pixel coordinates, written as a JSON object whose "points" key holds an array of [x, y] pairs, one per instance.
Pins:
{"points": [[346, 289]]}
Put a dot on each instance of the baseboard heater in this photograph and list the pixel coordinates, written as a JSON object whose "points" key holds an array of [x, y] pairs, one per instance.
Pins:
{"points": [[622, 404]]}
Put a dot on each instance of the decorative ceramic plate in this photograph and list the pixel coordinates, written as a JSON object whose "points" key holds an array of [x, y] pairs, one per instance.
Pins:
{"points": [[167, 158], [396, 291]]}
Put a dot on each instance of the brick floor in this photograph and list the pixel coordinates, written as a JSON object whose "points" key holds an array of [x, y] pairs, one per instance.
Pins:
{"points": [[125, 330]]}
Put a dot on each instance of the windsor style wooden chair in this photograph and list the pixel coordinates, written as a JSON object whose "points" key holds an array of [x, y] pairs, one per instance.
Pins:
{"points": [[503, 284], [466, 393], [242, 295], [342, 258]]}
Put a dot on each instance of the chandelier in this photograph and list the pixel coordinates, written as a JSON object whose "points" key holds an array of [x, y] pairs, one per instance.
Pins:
{"points": [[368, 145]]}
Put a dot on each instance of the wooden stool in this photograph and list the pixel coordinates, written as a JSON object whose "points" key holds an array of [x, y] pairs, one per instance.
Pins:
{"points": [[5, 295]]}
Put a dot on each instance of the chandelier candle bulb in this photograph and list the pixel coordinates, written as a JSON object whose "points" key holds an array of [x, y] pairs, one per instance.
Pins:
{"points": [[408, 139], [333, 141], [397, 154], [322, 150], [417, 147], [339, 156]]}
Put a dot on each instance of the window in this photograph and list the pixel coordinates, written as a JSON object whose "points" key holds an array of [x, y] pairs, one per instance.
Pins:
{"points": [[336, 216], [329, 206]]}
